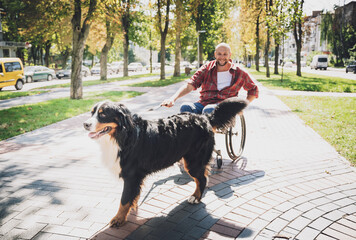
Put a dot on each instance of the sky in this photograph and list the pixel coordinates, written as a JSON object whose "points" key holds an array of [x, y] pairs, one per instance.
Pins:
{"points": [[316, 5]]}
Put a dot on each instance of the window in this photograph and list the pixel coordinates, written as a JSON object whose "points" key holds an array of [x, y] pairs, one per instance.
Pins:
{"points": [[16, 66], [12, 66], [6, 52], [1, 71], [8, 67]]}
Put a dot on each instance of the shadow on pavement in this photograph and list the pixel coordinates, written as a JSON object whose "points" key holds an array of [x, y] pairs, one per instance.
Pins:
{"points": [[187, 221]]}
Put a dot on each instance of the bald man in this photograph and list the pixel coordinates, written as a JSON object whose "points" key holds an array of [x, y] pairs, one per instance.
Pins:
{"points": [[219, 79]]}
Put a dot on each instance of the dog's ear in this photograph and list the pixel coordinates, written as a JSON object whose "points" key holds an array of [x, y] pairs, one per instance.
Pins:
{"points": [[123, 117], [126, 131]]}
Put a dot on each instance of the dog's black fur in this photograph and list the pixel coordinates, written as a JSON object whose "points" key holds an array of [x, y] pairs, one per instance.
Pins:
{"points": [[146, 146]]}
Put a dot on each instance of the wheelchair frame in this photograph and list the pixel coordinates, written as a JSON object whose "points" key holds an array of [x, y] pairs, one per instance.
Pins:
{"points": [[235, 138]]}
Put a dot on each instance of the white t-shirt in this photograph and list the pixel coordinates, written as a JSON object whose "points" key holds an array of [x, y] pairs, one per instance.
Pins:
{"points": [[224, 79]]}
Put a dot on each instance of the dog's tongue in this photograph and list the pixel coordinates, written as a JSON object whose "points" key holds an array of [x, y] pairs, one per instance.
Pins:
{"points": [[93, 134]]}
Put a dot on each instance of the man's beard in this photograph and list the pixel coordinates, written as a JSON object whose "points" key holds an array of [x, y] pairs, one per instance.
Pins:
{"points": [[221, 64]]}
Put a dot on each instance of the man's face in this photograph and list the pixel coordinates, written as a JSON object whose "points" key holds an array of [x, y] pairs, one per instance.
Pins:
{"points": [[222, 55]]}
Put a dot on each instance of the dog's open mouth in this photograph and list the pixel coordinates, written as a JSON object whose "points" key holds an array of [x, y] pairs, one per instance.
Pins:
{"points": [[95, 135]]}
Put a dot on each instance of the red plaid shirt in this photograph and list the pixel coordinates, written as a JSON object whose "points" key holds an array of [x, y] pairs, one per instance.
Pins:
{"points": [[206, 78]]}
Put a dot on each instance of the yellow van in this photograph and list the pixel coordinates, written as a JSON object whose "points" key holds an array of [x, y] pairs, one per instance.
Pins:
{"points": [[11, 73]]}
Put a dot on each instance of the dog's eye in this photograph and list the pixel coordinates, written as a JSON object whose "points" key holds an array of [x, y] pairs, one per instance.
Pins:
{"points": [[102, 114]]}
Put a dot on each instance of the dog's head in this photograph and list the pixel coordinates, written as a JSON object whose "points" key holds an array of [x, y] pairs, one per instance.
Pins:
{"points": [[108, 118]]}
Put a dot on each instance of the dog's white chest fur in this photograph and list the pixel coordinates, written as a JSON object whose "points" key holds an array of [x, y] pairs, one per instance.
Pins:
{"points": [[110, 150]]}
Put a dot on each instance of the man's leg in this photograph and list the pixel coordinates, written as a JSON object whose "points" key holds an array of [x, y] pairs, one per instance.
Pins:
{"points": [[209, 108], [191, 107]]}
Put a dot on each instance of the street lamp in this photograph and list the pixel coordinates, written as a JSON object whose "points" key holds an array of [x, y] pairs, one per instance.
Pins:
{"points": [[201, 31]]}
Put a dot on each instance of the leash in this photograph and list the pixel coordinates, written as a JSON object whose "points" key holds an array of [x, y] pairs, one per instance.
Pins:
{"points": [[154, 108]]}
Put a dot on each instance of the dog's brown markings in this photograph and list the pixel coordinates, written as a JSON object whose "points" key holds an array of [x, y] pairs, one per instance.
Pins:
{"points": [[123, 212], [197, 193], [121, 215], [101, 126]]}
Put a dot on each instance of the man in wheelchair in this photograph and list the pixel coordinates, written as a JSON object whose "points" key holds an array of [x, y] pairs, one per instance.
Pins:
{"points": [[219, 79]]}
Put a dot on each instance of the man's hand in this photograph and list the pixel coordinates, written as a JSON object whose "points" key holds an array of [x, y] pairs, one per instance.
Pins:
{"points": [[168, 103]]}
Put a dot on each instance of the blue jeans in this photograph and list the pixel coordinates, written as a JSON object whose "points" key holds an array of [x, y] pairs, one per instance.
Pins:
{"points": [[197, 108]]}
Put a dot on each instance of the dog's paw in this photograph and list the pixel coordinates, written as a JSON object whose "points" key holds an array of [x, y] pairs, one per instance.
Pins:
{"points": [[117, 222], [193, 200]]}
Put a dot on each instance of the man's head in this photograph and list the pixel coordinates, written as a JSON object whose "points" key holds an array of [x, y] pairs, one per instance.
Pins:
{"points": [[222, 54]]}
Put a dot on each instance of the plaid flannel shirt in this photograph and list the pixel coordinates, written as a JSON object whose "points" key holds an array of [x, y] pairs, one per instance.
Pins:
{"points": [[206, 78]]}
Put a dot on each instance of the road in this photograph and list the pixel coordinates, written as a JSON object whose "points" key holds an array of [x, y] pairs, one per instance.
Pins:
{"points": [[332, 72]]}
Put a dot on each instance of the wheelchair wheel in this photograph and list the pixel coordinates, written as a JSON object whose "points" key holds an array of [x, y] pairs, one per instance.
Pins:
{"points": [[235, 138]]}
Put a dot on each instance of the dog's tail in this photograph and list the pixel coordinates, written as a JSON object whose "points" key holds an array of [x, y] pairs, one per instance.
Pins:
{"points": [[224, 114]]}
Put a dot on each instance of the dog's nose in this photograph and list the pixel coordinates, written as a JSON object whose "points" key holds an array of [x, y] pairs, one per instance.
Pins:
{"points": [[87, 126]]}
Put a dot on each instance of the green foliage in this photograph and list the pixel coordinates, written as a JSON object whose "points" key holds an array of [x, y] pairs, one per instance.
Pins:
{"points": [[340, 35], [334, 118]]}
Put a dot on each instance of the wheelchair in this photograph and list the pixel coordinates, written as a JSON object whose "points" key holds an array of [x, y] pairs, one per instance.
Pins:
{"points": [[235, 138]]}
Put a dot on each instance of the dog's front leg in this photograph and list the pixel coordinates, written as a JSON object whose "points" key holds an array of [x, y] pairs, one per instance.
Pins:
{"points": [[129, 198]]}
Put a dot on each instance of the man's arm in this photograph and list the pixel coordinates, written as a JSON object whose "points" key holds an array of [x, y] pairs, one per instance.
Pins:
{"points": [[184, 90]]}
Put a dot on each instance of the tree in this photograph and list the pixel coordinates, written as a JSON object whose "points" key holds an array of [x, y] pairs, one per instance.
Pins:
{"points": [[269, 4], [110, 10], [279, 27], [340, 36], [178, 27], [80, 34], [297, 21], [163, 22]]}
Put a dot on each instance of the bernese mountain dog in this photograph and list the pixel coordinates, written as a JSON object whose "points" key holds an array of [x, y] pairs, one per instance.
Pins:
{"points": [[133, 147]]}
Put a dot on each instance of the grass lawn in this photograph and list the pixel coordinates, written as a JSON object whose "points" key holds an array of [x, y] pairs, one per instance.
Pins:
{"points": [[7, 94], [97, 82], [18, 120], [161, 83], [334, 118], [308, 81]]}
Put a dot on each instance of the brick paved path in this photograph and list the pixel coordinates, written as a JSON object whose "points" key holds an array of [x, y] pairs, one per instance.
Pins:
{"points": [[290, 183]]}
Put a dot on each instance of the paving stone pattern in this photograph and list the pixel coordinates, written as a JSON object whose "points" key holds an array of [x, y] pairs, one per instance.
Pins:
{"points": [[290, 184]]}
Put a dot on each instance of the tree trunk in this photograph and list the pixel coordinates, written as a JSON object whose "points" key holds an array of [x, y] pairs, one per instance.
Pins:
{"points": [[150, 51], [65, 55], [126, 54], [266, 54], [257, 57], [110, 35], [80, 34], [276, 58], [198, 24], [297, 31], [47, 52], [125, 21], [298, 41], [163, 33], [268, 9], [163, 56], [179, 7]]}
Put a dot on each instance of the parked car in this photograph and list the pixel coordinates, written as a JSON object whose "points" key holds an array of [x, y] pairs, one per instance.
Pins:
{"points": [[65, 73], [11, 73], [351, 67], [155, 66], [117, 66], [288, 64], [36, 73], [135, 66], [319, 62], [96, 69]]}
